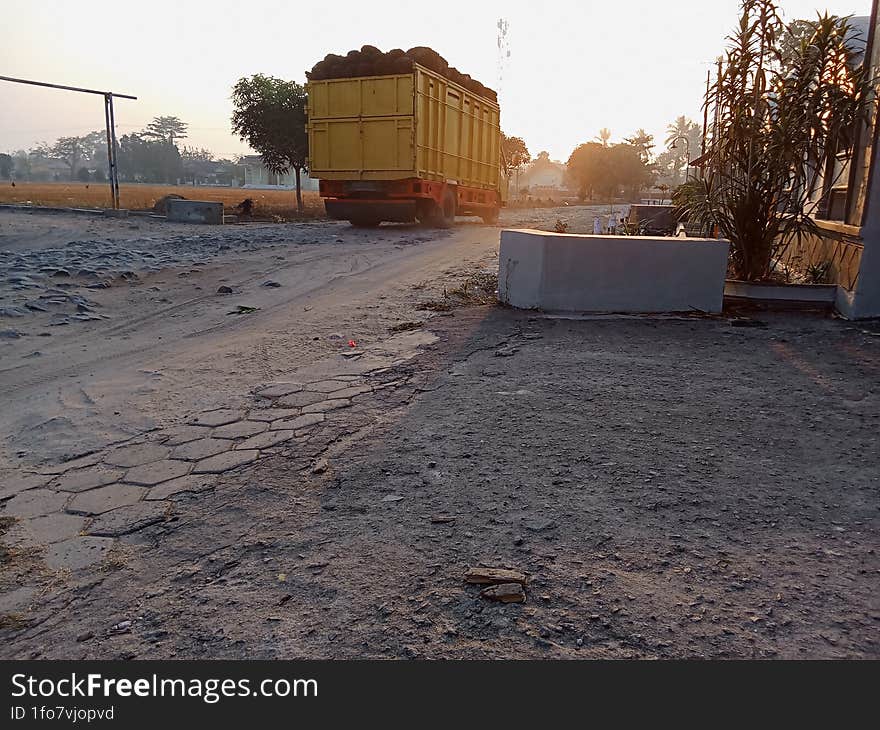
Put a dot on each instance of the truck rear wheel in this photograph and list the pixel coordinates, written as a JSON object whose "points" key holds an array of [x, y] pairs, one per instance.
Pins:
{"points": [[447, 213]]}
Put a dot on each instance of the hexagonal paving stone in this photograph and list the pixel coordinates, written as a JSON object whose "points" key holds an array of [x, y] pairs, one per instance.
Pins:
{"points": [[81, 461], [239, 430], [84, 479], [201, 449], [217, 418], [327, 386], [103, 499], [77, 552], [126, 520], [224, 462], [272, 414], [298, 400], [276, 390], [11, 484], [157, 472], [184, 434], [327, 405], [353, 392], [190, 483], [36, 502], [295, 424], [52, 528], [128, 456], [265, 440]]}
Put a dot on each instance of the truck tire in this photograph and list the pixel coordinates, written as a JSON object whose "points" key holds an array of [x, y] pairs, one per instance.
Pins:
{"points": [[446, 218], [490, 217]]}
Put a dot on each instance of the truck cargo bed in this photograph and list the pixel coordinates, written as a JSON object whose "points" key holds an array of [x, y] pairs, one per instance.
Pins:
{"points": [[417, 125]]}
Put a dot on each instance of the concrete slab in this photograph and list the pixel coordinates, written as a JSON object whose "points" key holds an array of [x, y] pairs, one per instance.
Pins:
{"points": [[36, 502], [265, 440], [201, 449], [327, 405], [272, 414], [104, 499], [51, 528], [225, 462], [12, 484], [194, 211], [129, 456], [576, 273], [239, 430], [157, 472], [295, 424], [184, 434], [82, 480], [190, 483]]}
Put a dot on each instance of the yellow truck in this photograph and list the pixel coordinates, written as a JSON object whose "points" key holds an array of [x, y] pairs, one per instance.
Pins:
{"points": [[404, 147]]}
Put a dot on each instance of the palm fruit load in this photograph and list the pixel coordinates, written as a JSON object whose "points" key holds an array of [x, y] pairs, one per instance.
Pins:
{"points": [[370, 61]]}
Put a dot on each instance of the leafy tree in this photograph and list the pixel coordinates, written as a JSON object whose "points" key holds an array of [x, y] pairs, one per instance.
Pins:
{"points": [[165, 129], [148, 160], [7, 165], [781, 121], [22, 165], [70, 151], [270, 115], [74, 150], [628, 170], [595, 168], [514, 154], [588, 168]]}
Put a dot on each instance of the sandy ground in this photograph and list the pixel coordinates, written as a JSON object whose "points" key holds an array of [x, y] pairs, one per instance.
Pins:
{"points": [[671, 487]]}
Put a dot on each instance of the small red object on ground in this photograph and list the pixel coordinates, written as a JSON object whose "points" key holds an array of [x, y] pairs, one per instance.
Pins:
{"points": [[352, 343]]}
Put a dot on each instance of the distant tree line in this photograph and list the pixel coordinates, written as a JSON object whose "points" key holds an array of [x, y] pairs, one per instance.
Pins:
{"points": [[153, 155], [600, 169]]}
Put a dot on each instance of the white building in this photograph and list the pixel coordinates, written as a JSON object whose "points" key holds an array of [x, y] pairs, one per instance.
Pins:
{"points": [[256, 175]]}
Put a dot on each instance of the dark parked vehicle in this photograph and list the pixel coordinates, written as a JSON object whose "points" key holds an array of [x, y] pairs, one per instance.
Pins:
{"points": [[653, 220]]}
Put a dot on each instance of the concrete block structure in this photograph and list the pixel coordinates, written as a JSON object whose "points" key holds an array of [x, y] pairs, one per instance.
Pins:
{"points": [[557, 272], [194, 211]]}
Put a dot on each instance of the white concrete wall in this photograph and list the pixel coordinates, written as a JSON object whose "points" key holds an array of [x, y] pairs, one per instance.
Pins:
{"points": [[572, 273]]}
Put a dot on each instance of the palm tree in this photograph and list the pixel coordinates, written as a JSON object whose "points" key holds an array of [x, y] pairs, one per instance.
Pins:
{"points": [[690, 130], [604, 136]]}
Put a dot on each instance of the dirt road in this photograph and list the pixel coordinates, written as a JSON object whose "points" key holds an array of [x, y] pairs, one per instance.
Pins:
{"points": [[312, 476]]}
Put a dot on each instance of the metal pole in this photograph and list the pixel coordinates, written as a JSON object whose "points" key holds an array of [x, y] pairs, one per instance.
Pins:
{"points": [[115, 163], [110, 163], [108, 117]]}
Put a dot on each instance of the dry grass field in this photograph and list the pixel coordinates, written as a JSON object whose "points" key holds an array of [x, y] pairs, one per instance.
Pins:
{"points": [[142, 197]]}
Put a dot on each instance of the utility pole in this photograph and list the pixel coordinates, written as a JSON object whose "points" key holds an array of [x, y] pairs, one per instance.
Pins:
{"points": [[109, 119]]}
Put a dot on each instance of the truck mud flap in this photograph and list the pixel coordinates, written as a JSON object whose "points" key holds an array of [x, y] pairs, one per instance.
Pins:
{"points": [[393, 211]]}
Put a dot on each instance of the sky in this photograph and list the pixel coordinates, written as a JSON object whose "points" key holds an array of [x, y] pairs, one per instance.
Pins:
{"points": [[574, 67]]}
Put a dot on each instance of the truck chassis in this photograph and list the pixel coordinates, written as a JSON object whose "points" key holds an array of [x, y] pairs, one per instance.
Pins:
{"points": [[367, 203]]}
